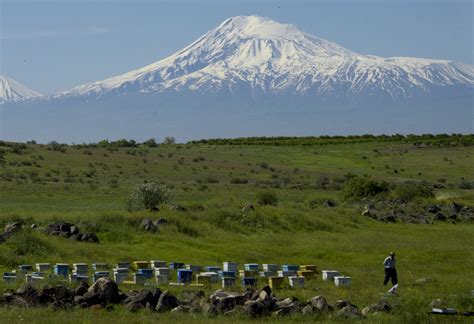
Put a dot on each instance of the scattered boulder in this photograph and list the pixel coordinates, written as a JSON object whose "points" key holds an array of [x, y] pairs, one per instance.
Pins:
{"points": [[71, 231], [148, 226], [178, 208], [13, 227], [254, 308], [166, 302], [439, 217], [81, 289], [138, 300], [107, 290], [320, 303], [160, 222], [154, 209], [433, 209], [343, 303], [329, 203], [349, 312], [382, 306]]}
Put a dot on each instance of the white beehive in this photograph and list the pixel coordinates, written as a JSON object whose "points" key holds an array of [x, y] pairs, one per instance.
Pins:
{"points": [[342, 281], [329, 274]]}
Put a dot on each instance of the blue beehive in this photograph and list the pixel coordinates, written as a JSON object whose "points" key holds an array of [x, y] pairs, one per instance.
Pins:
{"points": [[147, 273], [185, 276], [249, 282], [251, 267], [290, 267], [61, 269], [226, 274], [215, 269], [176, 265]]}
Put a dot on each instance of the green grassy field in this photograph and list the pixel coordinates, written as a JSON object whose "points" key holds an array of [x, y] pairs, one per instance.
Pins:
{"points": [[89, 187]]}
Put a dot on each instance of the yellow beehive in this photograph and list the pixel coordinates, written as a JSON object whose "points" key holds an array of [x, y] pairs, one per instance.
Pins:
{"points": [[275, 282], [311, 267], [306, 274], [141, 265]]}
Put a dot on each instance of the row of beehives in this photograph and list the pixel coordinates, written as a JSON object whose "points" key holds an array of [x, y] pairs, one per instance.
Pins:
{"points": [[145, 271]]}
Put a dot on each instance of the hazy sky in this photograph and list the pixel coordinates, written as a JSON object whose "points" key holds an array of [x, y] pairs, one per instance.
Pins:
{"points": [[51, 46]]}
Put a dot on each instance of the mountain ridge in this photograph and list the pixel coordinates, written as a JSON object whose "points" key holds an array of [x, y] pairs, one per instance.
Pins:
{"points": [[252, 76], [275, 58], [13, 91]]}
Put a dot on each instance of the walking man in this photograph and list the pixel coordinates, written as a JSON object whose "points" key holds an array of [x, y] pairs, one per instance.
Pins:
{"points": [[390, 271]]}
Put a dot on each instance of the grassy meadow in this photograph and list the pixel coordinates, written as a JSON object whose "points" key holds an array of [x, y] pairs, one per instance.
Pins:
{"points": [[89, 186]]}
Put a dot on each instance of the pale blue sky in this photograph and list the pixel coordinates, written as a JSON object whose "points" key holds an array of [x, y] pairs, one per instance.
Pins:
{"points": [[51, 46]]}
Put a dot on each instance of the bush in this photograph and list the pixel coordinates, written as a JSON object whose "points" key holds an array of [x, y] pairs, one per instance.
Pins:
{"points": [[151, 142], [363, 187], [169, 140], [239, 181], [465, 184], [147, 196], [409, 191], [267, 198]]}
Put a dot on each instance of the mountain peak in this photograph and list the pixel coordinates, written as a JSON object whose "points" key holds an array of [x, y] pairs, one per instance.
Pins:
{"points": [[257, 26], [12, 91]]}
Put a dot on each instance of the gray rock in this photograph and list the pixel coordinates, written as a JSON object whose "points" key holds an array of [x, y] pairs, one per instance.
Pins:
{"points": [[381, 306], [349, 312], [107, 289], [253, 308], [13, 227], [320, 303], [439, 217], [166, 302]]}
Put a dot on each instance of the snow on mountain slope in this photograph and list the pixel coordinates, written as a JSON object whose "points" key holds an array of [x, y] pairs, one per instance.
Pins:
{"points": [[251, 53], [13, 91]]}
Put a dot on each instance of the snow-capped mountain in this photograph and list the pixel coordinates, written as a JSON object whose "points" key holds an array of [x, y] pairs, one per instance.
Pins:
{"points": [[13, 91], [252, 76], [260, 55]]}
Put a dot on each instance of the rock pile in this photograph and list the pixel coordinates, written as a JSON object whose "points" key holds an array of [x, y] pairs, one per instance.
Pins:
{"points": [[152, 226], [393, 211], [9, 230], [71, 231], [104, 293]]}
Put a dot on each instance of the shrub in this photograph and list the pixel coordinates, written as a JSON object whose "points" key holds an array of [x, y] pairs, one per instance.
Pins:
{"points": [[169, 140], [147, 196], [409, 191], [363, 187], [267, 198], [263, 165], [151, 142], [465, 184], [239, 181]]}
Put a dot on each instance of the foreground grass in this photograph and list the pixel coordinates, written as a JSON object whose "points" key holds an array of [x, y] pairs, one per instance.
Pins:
{"points": [[78, 187]]}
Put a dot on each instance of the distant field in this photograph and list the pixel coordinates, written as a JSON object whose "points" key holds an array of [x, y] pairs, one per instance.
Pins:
{"points": [[89, 186]]}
